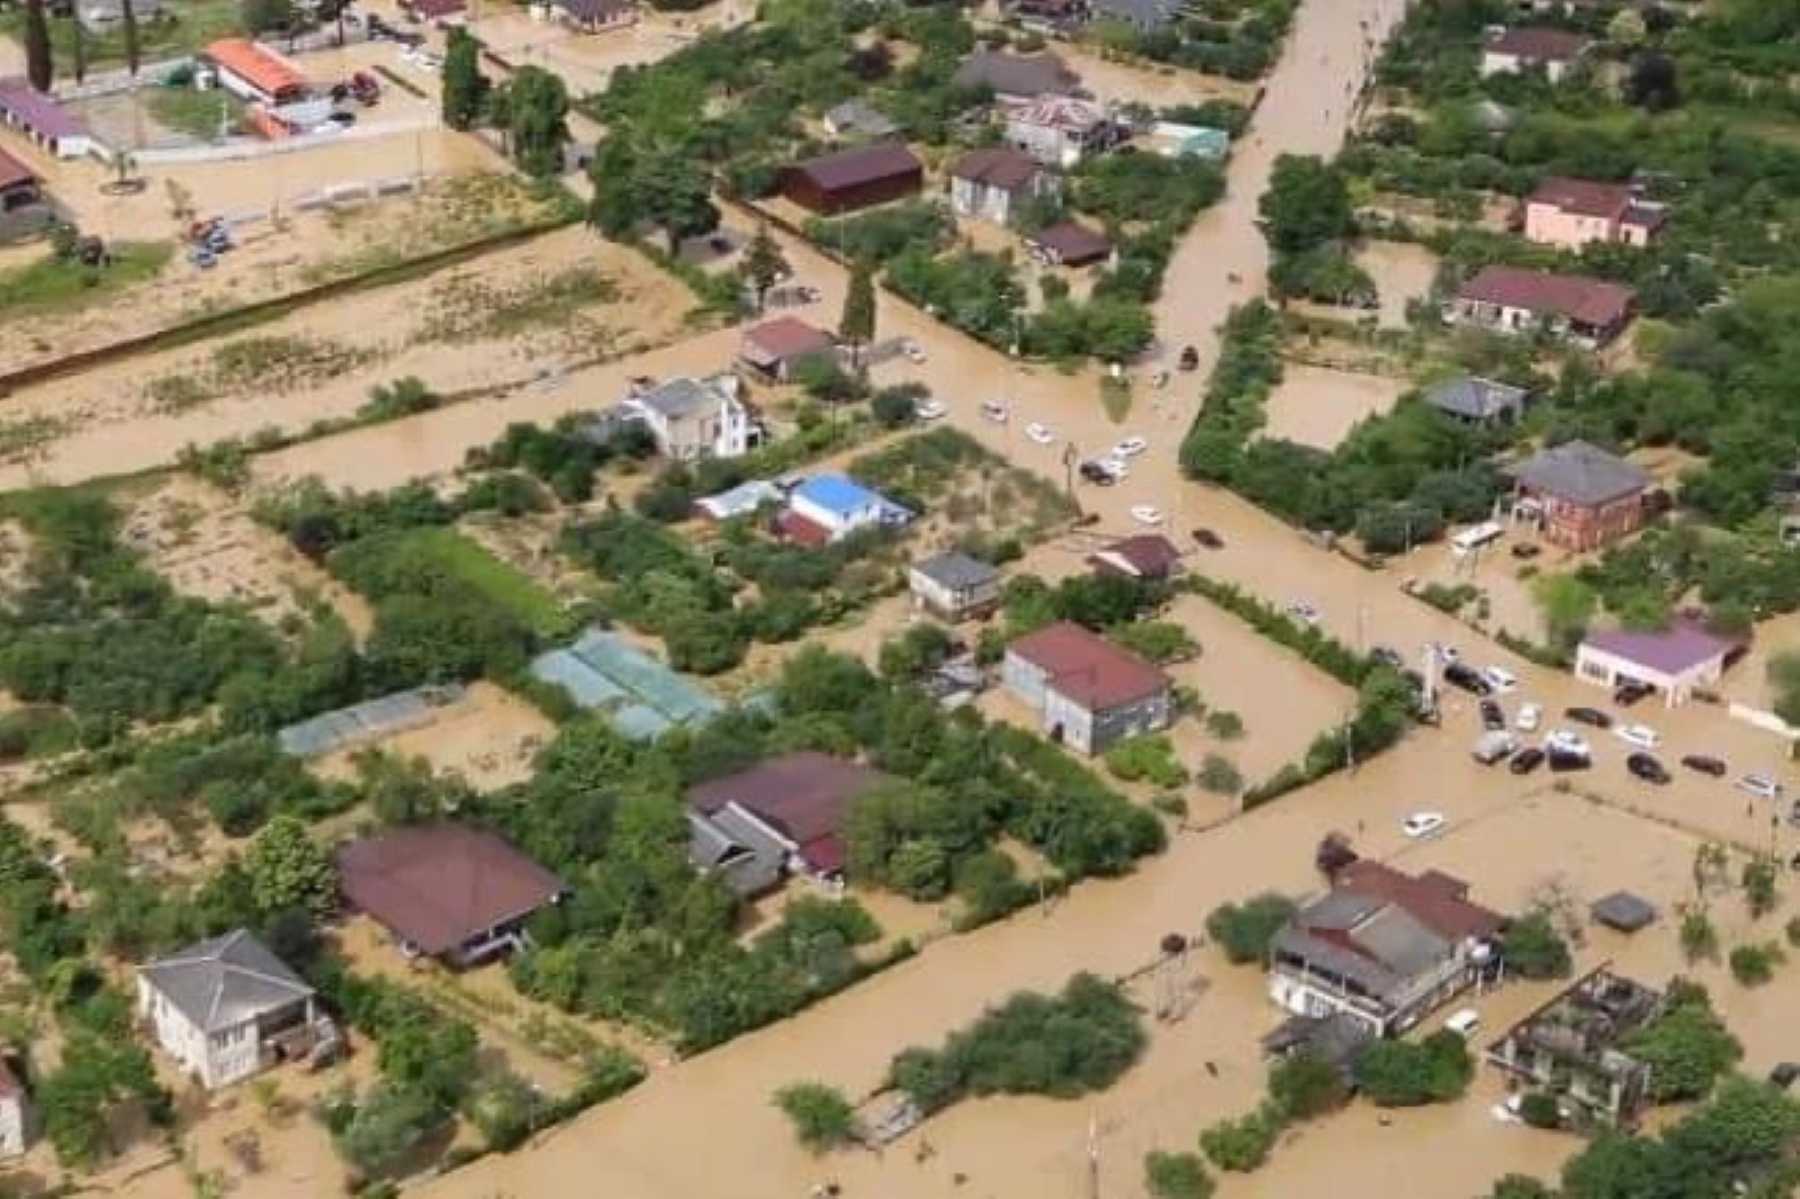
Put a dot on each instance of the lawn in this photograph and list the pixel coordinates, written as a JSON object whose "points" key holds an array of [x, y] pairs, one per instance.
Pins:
{"points": [[204, 115], [503, 586], [184, 27], [62, 285]]}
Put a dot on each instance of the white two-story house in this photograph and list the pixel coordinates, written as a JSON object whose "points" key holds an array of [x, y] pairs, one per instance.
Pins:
{"points": [[697, 418]]}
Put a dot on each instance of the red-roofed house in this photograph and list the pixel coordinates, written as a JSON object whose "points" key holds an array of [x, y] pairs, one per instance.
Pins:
{"points": [[254, 72], [1529, 48], [853, 179], [1088, 692], [1507, 299], [1570, 213], [799, 801], [1147, 556], [774, 348], [1676, 661]]}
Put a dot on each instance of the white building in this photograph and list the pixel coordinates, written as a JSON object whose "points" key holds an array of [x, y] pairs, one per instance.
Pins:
{"points": [[697, 418], [1059, 131], [1531, 48], [12, 1114], [828, 507], [953, 585], [1676, 661], [1087, 692], [228, 1008]]}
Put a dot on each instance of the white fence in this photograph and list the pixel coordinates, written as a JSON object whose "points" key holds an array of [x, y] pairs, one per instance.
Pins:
{"points": [[253, 147], [1764, 720]]}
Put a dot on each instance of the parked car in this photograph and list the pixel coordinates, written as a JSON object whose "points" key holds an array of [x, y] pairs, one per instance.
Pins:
{"points": [[1493, 717], [1630, 691], [1131, 447], [1589, 716], [1564, 741], [1190, 358], [1562, 762], [1208, 539], [929, 410], [1422, 824], [1525, 550], [1705, 764], [1526, 760], [1640, 735], [1500, 679], [1529, 717], [1147, 514], [1041, 433], [1464, 1022], [1097, 471], [994, 411], [1467, 678], [913, 350], [1644, 766], [1759, 785], [1491, 747]]}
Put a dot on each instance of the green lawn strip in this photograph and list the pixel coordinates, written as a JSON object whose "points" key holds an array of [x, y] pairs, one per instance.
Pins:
{"points": [[63, 285], [503, 585]]}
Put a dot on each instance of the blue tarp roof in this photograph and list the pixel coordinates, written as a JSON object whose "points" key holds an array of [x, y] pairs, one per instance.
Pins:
{"points": [[836, 493]]}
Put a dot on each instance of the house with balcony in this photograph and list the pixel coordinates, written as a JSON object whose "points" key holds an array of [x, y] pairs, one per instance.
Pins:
{"points": [[697, 418], [1382, 947], [954, 586], [1060, 131]]}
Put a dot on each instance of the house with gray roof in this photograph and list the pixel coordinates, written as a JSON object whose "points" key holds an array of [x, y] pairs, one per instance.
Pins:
{"points": [[738, 849], [696, 418], [953, 585], [1478, 401], [1381, 947], [228, 1008], [1017, 78], [1580, 496]]}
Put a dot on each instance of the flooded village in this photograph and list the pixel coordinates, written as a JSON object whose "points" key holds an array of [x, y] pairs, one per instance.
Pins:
{"points": [[844, 598]]}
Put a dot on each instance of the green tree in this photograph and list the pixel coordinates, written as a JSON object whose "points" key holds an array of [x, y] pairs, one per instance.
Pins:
{"points": [[261, 16], [1754, 965], [1304, 1086], [856, 327], [1219, 776], [537, 105], [1245, 930], [1687, 1046], [1699, 939], [1783, 673], [1540, 1109], [388, 1124], [129, 28], [78, 1100], [618, 205], [1243, 1144], [503, 1106], [1176, 1176], [1567, 606], [1404, 1074], [1760, 893], [1533, 948], [1306, 205], [823, 1119], [1627, 28], [678, 198], [764, 263], [464, 86], [288, 869], [39, 65], [1520, 1186]]}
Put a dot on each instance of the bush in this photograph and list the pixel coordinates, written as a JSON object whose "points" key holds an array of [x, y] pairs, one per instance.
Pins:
{"points": [[1245, 930], [1304, 1086], [1533, 948], [823, 1119], [1754, 965], [1540, 1109], [1403, 1074], [1176, 1176], [1687, 1046], [1243, 1144], [1225, 725], [1146, 757], [1219, 776]]}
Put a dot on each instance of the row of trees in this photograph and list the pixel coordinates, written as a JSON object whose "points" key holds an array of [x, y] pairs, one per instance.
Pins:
{"points": [[530, 109]]}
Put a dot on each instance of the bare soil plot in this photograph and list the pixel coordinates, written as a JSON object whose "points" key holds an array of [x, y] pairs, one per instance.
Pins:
{"points": [[1164, 86], [1403, 272], [489, 738], [586, 61], [1318, 407]]}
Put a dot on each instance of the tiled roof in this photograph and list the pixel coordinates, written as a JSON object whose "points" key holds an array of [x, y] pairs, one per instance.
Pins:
{"points": [[1149, 555], [41, 113], [1584, 197], [804, 796], [1087, 668], [1537, 44], [1436, 900], [1017, 75], [1680, 647], [1475, 397], [1073, 242], [258, 65], [865, 164], [221, 983], [956, 570], [1576, 297], [997, 166], [1582, 473], [437, 885], [1058, 112]]}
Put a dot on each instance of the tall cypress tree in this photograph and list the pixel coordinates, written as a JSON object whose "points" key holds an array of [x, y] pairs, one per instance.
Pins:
{"points": [[128, 19], [39, 67], [857, 326]]}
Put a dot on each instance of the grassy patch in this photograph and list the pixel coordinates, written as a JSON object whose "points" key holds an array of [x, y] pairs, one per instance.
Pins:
{"points": [[198, 114], [466, 308], [185, 27], [503, 586], [1115, 397], [59, 285], [23, 436]]}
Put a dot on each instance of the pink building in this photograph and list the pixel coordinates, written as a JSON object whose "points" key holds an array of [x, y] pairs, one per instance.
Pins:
{"points": [[1570, 213]]}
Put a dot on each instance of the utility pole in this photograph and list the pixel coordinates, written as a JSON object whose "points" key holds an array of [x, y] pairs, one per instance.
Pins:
{"points": [[1094, 1156]]}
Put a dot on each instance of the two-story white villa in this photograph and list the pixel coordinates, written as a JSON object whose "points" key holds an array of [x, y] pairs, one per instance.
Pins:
{"points": [[697, 418]]}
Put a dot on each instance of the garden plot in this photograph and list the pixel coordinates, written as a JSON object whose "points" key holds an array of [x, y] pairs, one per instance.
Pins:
{"points": [[1317, 406], [488, 737], [208, 547]]}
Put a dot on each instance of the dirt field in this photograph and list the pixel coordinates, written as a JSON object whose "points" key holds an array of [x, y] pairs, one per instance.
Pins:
{"points": [[1318, 407], [498, 322], [1402, 272], [489, 738], [586, 61]]}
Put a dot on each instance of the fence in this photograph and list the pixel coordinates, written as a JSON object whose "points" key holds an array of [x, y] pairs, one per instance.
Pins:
{"points": [[247, 147]]}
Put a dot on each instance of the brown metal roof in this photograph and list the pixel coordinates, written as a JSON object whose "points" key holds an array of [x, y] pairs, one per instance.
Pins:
{"points": [[437, 885], [1435, 899], [788, 337], [1148, 555], [1584, 197], [804, 796], [1087, 668], [13, 172], [862, 165], [997, 166], [1534, 43], [1589, 301], [1073, 242]]}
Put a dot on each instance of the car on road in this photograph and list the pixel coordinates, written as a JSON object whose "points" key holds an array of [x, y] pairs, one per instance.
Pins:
{"points": [[1529, 717], [929, 410], [1147, 514], [1207, 539], [1561, 762], [1526, 760], [1493, 716], [1500, 679], [1589, 716], [1303, 612], [994, 411], [1422, 824], [913, 351], [1103, 471], [1041, 433], [1640, 735], [1630, 691], [1190, 358], [1467, 678], [1759, 785], [1566, 741], [1643, 766], [1705, 764], [1131, 447]]}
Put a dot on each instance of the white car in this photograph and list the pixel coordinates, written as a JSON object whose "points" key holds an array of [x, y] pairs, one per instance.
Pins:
{"points": [[1042, 434], [1760, 785], [1303, 612], [1445, 653], [1529, 717], [1422, 824], [1500, 679], [1147, 514], [1464, 1022], [913, 350], [929, 410], [1131, 447], [1565, 742], [994, 411], [1640, 735]]}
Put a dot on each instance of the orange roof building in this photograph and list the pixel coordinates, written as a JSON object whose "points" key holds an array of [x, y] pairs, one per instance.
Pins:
{"points": [[256, 72]]}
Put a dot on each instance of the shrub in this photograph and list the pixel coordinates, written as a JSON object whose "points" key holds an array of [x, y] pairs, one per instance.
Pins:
{"points": [[1754, 965], [1687, 1046], [1245, 930], [823, 1119], [1303, 1086], [1148, 757], [1176, 1176], [1403, 1074], [1243, 1144], [1225, 725], [1219, 776], [1540, 1109], [1533, 948]]}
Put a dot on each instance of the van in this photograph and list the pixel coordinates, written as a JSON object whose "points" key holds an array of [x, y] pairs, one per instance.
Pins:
{"points": [[1476, 536], [1464, 1022]]}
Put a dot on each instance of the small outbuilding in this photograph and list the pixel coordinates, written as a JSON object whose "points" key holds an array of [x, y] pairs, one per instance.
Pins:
{"points": [[793, 806], [597, 16], [1623, 912], [1070, 244], [954, 586], [858, 119], [774, 348], [1478, 401], [1017, 78], [253, 71], [43, 119], [1676, 661], [852, 179], [1148, 557]]}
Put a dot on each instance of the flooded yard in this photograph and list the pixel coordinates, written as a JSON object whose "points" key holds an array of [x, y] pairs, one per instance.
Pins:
{"points": [[1317, 406], [1402, 271], [489, 738]]}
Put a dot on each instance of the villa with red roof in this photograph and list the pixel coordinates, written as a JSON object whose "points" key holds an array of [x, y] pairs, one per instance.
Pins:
{"points": [[1507, 299], [784, 815], [1676, 661], [1087, 692]]}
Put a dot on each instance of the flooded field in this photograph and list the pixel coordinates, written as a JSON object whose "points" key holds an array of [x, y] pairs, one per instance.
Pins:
{"points": [[1402, 271], [1318, 407]]}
